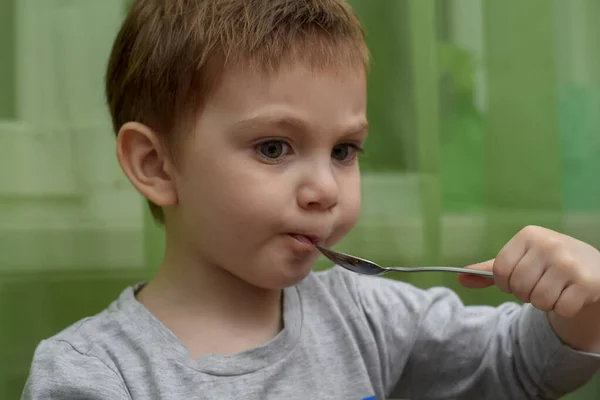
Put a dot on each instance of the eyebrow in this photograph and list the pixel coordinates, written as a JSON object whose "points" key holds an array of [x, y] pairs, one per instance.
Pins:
{"points": [[290, 123], [282, 122]]}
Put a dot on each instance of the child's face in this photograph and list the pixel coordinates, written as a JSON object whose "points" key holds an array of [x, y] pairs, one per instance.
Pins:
{"points": [[272, 156]]}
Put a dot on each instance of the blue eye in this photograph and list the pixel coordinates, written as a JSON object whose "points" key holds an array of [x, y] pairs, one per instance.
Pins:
{"points": [[345, 152], [273, 149]]}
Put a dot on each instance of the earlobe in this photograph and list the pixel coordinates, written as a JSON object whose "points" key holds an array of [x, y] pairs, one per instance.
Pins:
{"points": [[144, 161]]}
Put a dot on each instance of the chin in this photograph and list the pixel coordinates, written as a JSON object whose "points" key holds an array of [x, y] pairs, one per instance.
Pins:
{"points": [[277, 269], [294, 280], [281, 278], [285, 280]]}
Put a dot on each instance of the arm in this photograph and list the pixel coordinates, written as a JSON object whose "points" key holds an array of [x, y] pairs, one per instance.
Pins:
{"points": [[504, 353], [557, 274], [58, 371]]}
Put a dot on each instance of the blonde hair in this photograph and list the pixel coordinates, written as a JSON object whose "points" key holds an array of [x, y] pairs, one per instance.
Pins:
{"points": [[170, 54]]}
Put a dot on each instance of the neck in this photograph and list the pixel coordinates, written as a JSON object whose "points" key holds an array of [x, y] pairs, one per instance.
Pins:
{"points": [[196, 289]]}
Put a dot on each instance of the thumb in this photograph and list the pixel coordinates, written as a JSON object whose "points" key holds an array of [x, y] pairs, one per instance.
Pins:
{"points": [[477, 282]]}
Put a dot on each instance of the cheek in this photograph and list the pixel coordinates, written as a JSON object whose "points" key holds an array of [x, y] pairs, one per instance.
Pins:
{"points": [[351, 197], [352, 211], [223, 228], [350, 205], [231, 200]]}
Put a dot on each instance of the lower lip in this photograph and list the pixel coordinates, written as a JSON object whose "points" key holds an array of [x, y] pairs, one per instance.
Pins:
{"points": [[302, 243]]}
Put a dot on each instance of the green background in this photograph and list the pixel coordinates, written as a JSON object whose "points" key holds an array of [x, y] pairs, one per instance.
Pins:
{"points": [[485, 118]]}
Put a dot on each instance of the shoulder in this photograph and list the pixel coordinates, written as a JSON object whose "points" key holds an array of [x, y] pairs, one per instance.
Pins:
{"points": [[80, 359], [92, 335], [59, 370]]}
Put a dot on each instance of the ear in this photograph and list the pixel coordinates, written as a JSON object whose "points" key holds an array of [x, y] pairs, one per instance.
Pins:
{"points": [[144, 161]]}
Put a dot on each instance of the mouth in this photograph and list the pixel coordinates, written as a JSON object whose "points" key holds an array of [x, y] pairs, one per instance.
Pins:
{"points": [[306, 239]]}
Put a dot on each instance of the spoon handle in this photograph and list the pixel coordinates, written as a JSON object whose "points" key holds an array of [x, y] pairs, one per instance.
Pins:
{"points": [[485, 274]]}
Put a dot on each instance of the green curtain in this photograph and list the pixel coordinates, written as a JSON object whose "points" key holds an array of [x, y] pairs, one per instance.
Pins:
{"points": [[485, 117]]}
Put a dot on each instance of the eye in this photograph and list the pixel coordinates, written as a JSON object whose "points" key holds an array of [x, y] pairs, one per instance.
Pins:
{"points": [[345, 152], [273, 149]]}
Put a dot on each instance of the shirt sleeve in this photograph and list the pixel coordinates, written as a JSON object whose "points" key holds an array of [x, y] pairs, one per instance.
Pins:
{"points": [[465, 352], [58, 371]]}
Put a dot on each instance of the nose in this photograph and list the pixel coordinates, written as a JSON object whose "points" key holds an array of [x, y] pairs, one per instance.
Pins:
{"points": [[319, 190]]}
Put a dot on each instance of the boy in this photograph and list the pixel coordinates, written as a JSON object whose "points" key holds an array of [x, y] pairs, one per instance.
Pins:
{"points": [[240, 122]]}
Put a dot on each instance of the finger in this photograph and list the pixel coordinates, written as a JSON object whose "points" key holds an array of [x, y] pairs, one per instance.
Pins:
{"points": [[507, 260], [474, 281], [570, 302], [483, 266], [548, 290], [526, 275]]}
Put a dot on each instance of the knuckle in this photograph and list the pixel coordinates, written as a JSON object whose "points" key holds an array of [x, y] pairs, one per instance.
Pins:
{"points": [[576, 276], [588, 281], [552, 245], [585, 280], [565, 262], [530, 231]]}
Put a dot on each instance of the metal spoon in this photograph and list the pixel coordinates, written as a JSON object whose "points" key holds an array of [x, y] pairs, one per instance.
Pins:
{"points": [[366, 267]]}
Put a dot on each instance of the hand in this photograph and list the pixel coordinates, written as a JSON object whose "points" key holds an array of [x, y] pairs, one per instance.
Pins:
{"points": [[554, 272]]}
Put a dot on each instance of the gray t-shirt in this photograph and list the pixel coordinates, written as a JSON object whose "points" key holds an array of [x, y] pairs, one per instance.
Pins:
{"points": [[346, 337]]}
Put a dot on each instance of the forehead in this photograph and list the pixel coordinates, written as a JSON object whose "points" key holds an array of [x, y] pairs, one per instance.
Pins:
{"points": [[326, 97]]}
